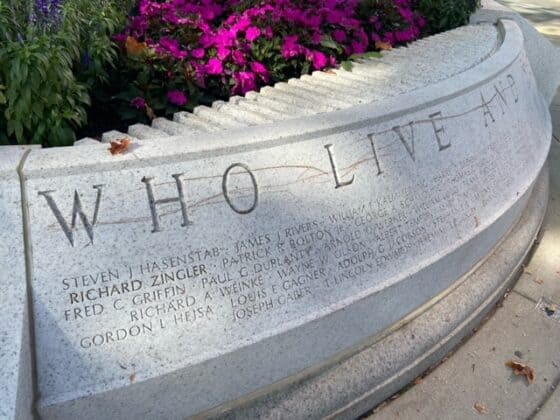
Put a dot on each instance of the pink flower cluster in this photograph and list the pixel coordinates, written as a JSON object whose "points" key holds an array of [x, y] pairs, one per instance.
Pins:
{"points": [[232, 47]]}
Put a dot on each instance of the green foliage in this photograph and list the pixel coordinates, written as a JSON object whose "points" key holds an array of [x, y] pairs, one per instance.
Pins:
{"points": [[46, 71], [443, 15], [349, 64]]}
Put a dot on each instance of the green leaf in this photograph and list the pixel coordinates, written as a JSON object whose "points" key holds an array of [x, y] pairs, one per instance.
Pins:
{"points": [[347, 65], [328, 42]]}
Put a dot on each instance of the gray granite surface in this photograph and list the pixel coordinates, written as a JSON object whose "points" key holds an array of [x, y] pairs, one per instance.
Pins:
{"points": [[261, 237]]}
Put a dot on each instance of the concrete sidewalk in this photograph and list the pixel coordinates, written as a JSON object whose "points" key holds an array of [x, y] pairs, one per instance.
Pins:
{"points": [[474, 381], [543, 14]]}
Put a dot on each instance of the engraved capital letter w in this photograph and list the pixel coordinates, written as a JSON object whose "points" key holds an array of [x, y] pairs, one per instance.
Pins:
{"points": [[77, 210]]}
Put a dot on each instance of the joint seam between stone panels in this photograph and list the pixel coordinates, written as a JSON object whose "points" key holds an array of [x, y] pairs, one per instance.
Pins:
{"points": [[523, 295], [28, 278], [549, 392]]}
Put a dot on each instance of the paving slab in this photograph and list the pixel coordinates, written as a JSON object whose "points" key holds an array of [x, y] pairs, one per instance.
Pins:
{"points": [[544, 14], [551, 409], [476, 373], [541, 277]]}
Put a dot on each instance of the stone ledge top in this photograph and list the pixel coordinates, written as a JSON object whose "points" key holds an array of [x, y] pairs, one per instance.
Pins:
{"points": [[370, 81], [64, 161]]}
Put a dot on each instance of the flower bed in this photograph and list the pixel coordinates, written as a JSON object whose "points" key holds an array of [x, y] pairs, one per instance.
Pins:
{"points": [[173, 55]]}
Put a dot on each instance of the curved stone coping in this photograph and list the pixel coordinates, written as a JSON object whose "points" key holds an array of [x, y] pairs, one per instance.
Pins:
{"points": [[543, 55], [358, 379], [418, 189], [169, 149], [371, 80]]}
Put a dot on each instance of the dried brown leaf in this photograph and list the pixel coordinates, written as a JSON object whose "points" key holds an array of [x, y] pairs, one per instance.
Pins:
{"points": [[418, 381], [119, 146], [538, 280], [525, 271], [134, 48], [132, 378], [150, 113], [520, 369], [383, 46], [480, 407]]}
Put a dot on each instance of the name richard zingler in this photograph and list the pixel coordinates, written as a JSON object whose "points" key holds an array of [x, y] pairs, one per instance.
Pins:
{"points": [[109, 283], [94, 286]]}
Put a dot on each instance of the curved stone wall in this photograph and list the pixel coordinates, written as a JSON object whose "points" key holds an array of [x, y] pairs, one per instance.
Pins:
{"points": [[197, 269]]}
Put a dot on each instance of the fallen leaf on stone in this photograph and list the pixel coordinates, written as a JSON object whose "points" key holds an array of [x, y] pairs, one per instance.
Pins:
{"points": [[520, 369], [418, 381], [480, 407], [383, 45], [132, 377], [538, 280], [119, 146], [525, 271]]}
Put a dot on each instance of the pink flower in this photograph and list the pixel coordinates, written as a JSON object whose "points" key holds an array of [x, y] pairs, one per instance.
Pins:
{"points": [[292, 47], [214, 66], [239, 58], [171, 46], [198, 53], [252, 33], [177, 97], [407, 14], [224, 38], [138, 102], [223, 52], [242, 24], [335, 17], [245, 81], [358, 47], [258, 67], [261, 70], [339, 35], [319, 60], [268, 32], [119, 38], [138, 25]]}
